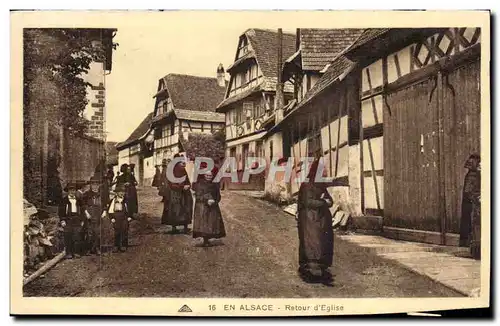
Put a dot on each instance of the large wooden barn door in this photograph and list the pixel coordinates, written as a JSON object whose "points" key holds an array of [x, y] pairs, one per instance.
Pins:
{"points": [[461, 134], [411, 166]]}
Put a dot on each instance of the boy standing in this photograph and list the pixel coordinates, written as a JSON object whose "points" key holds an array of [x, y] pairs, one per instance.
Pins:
{"points": [[72, 221], [93, 210], [118, 213]]}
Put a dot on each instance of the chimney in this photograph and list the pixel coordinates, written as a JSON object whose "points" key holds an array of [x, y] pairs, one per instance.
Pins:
{"points": [[221, 78], [278, 106]]}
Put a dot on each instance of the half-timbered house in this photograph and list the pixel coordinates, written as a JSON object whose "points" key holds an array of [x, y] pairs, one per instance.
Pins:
{"points": [[185, 104], [249, 102], [395, 118], [420, 107], [317, 54], [137, 150]]}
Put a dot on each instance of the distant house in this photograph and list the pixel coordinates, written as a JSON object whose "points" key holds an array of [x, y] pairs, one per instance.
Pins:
{"points": [[112, 155], [316, 49], [185, 105], [317, 54], [137, 149], [249, 102]]}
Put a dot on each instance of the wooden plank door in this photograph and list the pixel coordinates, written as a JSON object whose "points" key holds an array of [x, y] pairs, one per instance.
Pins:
{"points": [[461, 124], [411, 166]]}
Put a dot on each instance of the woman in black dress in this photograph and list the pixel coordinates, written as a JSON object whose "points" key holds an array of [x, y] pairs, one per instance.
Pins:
{"points": [[207, 217], [315, 230]]}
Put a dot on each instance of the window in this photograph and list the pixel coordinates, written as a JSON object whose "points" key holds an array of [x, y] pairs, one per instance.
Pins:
{"points": [[259, 149], [245, 154], [168, 105], [232, 152], [259, 110], [160, 106], [239, 115], [270, 102], [243, 79], [167, 131], [248, 109], [243, 49]]}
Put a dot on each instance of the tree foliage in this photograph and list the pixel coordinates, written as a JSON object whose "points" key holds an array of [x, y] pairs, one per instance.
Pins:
{"points": [[205, 145], [55, 62]]}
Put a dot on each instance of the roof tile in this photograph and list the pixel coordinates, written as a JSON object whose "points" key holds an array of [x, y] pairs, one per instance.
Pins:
{"points": [[193, 92], [320, 46], [140, 131]]}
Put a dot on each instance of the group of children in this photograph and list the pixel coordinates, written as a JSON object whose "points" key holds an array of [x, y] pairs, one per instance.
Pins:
{"points": [[82, 211]]}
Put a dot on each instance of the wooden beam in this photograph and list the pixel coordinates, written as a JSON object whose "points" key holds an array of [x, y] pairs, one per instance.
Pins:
{"points": [[361, 162], [441, 167], [373, 131], [378, 173], [372, 164], [372, 92]]}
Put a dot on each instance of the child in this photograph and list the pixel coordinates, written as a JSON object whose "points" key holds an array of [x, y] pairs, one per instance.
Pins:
{"points": [[72, 221], [118, 213], [94, 208]]}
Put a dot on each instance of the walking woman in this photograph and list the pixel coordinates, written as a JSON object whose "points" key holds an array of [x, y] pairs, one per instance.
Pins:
{"points": [[121, 177], [157, 177], [178, 203], [207, 217], [315, 230]]}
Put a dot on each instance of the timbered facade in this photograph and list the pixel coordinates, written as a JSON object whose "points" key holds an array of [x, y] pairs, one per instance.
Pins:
{"points": [[137, 150], [249, 102], [419, 122], [185, 104], [395, 117]]}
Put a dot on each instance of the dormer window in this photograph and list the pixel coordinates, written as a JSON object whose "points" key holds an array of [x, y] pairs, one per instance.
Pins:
{"points": [[244, 48], [168, 105]]}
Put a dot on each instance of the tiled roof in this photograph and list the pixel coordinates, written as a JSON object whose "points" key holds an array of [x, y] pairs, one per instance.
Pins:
{"points": [[320, 46], [139, 132], [337, 68], [366, 36], [199, 115], [334, 71], [193, 92], [264, 43]]}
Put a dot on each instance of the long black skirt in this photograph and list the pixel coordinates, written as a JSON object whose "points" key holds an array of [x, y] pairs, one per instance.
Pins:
{"points": [[177, 208]]}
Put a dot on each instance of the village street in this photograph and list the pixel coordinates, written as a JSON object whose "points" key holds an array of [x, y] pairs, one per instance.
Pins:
{"points": [[258, 258]]}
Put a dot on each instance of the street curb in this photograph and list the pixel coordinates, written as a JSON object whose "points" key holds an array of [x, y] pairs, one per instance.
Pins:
{"points": [[430, 278], [380, 254], [48, 265]]}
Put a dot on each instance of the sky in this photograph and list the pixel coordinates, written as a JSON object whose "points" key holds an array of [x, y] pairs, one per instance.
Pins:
{"points": [[166, 43]]}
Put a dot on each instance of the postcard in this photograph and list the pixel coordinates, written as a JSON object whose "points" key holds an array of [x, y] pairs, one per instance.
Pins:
{"points": [[249, 163]]}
